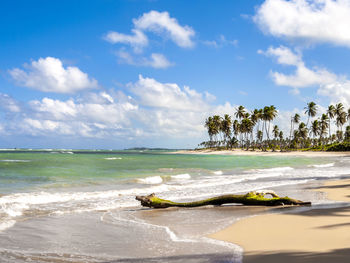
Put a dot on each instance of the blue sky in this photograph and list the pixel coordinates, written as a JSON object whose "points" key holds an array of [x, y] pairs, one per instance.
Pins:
{"points": [[117, 74]]}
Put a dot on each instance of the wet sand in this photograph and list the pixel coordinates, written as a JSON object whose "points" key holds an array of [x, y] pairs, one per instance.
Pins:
{"points": [[318, 235]]}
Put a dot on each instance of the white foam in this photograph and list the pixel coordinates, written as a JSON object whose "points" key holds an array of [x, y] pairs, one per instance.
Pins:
{"points": [[181, 176], [276, 169], [15, 161], [7, 224], [113, 158], [150, 180], [218, 172], [323, 165]]}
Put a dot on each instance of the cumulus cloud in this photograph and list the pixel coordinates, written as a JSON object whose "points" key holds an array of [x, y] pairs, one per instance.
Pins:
{"points": [[303, 76], [155, 61], [168, 95], [138, 40], [314, 21], [161, 23], [156, 22], [49, 75], [152, 109], [333, 86], [9, 104]]}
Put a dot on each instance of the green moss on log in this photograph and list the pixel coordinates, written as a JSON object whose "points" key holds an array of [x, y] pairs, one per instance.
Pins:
{"points": [[250, 199]]}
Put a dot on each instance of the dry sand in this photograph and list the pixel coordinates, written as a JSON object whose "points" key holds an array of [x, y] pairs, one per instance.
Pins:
{"points": [[260, 153], [320, 235]]}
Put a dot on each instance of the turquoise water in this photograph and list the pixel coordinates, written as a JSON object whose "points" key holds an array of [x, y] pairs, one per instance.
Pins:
{"points": [[31, 171]]}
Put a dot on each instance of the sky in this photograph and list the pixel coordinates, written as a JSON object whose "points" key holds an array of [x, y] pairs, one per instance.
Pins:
{"points": [[117, 74]]}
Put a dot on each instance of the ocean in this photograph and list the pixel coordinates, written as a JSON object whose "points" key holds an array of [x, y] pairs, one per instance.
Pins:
{"points": [[79, 206]]}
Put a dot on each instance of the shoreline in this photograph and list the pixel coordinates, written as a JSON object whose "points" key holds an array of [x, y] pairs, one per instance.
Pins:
{"points": [[316, 235], [261, 153]]}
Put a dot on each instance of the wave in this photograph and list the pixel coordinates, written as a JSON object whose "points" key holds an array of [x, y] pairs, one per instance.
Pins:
{"points": [[276, 169], [322, 165], [15, 161], [150, 180], [180, 176], [218, 172], [113, 158]]}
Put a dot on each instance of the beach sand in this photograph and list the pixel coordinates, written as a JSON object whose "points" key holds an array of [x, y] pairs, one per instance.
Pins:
{"points": [[319, 235]]}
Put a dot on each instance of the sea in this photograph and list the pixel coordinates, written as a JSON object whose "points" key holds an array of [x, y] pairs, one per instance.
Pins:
{"points": [[59, 205]]}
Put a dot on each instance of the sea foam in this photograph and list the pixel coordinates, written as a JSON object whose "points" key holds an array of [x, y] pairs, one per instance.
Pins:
{"points": [[150, 180], [181, 176], [323, 165]]}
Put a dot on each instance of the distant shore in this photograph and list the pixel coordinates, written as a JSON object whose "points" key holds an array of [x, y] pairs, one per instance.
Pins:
{"points": [[261, 153], [318, 235]]}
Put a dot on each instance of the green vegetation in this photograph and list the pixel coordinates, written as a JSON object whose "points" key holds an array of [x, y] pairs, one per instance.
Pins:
{"points": [[252, 130]]}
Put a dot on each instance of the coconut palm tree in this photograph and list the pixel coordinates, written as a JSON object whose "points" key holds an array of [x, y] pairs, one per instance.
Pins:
{"points": [[226, 124], [275, 131], [324, 121], [294, 120], [209, 126], [315, 128], [331, 114], [302, 132], [269, 113], [341, 120], [310, 110], [217, 122], [240, 112]]}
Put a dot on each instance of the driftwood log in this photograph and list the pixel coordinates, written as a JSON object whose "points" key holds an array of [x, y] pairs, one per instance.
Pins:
{"points": [[251, 198]]}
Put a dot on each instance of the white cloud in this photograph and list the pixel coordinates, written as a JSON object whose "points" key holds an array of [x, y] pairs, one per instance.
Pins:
{"points": [[168, 95], [303, 76], [153, 110], [138, 40], [9, 104], [161, 22], [314, 21], [335, 87], [155, 61], [337, 92], [283, 54], [49, 75]]}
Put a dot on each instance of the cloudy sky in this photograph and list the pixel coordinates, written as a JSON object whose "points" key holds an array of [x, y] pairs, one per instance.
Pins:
{"points": [[118, 74]]}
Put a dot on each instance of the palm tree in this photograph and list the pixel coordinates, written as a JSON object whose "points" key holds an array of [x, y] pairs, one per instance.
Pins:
{"points": [[275, 131], [331, 114], [323, 125], [226, 126], [310, 110], [341, 120], [269, 113], [302, 131], [217, 122], [240, 112], [315, 128], [294, 120], [209, 126]]}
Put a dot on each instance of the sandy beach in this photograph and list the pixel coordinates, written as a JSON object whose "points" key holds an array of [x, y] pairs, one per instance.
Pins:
{"points": [[268, 153], [318, 235]]}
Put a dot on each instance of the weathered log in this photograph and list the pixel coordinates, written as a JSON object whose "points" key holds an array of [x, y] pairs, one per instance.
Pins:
{"points": [[250, 199]]}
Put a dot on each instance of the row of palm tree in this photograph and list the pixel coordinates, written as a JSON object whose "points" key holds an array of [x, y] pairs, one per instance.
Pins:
{"points": [[253, 129]]}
